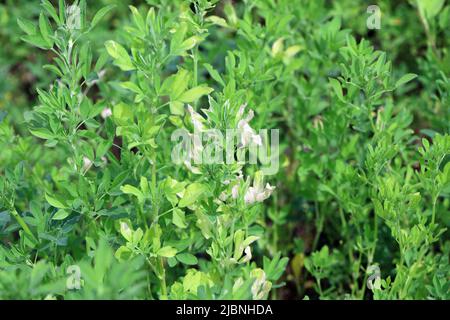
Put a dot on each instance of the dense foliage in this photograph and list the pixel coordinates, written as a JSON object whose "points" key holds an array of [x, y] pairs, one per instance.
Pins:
{"points": [[92, 205]]}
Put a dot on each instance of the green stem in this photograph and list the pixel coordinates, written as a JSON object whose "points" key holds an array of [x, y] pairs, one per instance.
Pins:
{"points": [[320, 220], [22, 223], [343, 222], [433, 215], [155, 217], [155, 207], [195, 60], [319, 285], [275, 238], [431, 42], [163, 279], [195, 57], [371, 256]]}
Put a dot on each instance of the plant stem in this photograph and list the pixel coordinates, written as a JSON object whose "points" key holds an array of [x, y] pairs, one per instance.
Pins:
{"points": [[163, 279], [370, 256], [155, 217], [431, 42], [22, 223], [319, 227], [433, 215], [319, 285], [155, 207], [195, 60], [343, 222]]}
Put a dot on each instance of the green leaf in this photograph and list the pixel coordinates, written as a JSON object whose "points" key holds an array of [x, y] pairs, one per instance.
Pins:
{"points": [[38, 273], [214, 74], [176, 84], [61, 214], [103, 258], [292, 51], [123, 113], [85, 108], [123, 253], [178, 218], [42, 133], [144, 185], [192, 193], [119, 179], [62, 10], [83, 10], [129, 189], [51, 11], [337, 88], [218, 21], [405, 79], [172, 262], [120, 55], [190, 43], [238, 246], [27, 26], [46, 30], [137, 18], [431, 7], [131, 86], [249, 240], [53, 69], [137, 235], [176, 107], [126, 231], [100, 14], [167, 252], [195, 93], [36, 40], [55, 202], [187, 258]]}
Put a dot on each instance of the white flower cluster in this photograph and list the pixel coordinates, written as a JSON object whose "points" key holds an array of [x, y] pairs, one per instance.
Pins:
{"points": [[196, 119], [260, 288], [106, 113], [73, 17], [256, 193], [87, 163], [247, 133]]}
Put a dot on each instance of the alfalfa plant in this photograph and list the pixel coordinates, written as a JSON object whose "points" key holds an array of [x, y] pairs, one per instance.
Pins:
{"points": [[139, 200], [89, 181]]}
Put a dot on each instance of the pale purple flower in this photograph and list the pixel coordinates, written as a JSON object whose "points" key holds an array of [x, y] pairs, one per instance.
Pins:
{"points": [[197, 119], [258, 192], [248, 135], [235, 191], [106, 113], [87, 163]]}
